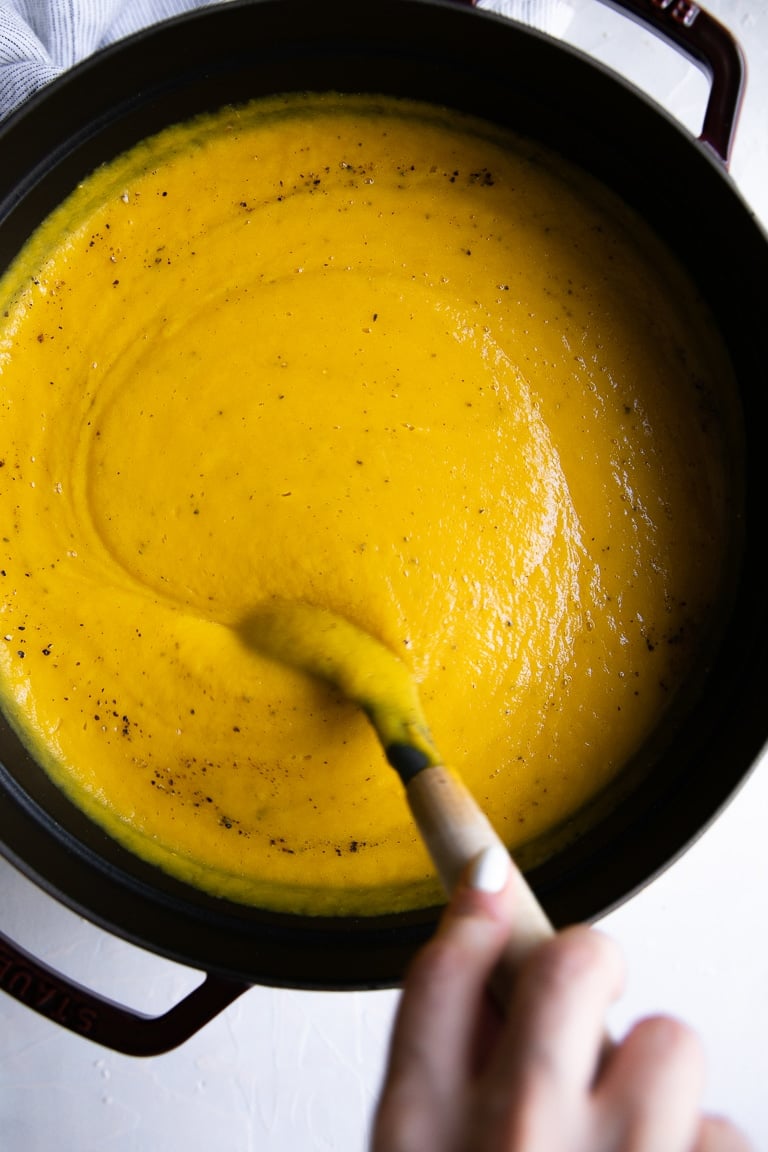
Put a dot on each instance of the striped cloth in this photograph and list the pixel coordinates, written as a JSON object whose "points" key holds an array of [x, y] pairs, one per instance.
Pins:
{"points": [[41, 38]]}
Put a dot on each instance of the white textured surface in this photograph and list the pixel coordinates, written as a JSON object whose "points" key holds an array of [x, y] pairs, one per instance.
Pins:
{"points": [[286, 1071]]}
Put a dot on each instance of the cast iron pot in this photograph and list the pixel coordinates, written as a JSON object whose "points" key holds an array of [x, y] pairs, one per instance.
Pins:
{"points": [[447, 52]]}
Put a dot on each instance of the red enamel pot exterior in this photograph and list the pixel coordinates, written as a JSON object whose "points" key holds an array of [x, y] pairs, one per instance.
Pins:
{"points": [[451, 54]]}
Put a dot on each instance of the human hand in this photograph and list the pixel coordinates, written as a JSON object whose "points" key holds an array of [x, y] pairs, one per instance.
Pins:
{"points": [[461, 1078]]}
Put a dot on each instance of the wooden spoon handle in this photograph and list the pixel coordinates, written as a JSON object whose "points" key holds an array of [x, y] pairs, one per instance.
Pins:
{"points": [[455, 830]]}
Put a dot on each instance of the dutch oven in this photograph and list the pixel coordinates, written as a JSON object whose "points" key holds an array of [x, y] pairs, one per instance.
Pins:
{"points": [[446, 52]]}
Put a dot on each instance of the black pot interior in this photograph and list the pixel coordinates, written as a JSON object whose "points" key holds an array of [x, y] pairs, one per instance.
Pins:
{"points": [[486, 65]]}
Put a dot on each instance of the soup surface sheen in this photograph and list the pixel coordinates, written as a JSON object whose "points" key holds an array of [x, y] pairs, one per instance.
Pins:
{"points": [[372, 356]]}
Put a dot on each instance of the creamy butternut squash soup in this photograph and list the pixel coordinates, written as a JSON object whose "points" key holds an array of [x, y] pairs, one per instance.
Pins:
{"points": [[372, 356]]}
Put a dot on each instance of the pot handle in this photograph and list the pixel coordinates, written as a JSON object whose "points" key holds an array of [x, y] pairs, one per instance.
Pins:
{"points": [[707, 43], [96, 1018]]}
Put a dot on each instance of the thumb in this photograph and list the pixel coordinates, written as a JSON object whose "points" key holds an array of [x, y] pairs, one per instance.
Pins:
{"points": [[484, 889], [493, 892]]}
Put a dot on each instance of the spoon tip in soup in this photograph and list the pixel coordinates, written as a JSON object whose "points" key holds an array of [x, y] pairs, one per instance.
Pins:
{"points": [[328, 647]]}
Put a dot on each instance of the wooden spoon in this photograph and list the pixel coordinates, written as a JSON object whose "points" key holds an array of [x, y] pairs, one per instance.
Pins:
{"points": [[452, 825]]}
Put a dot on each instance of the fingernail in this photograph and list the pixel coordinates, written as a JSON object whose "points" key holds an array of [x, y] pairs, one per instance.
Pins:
{"points": [[489, 871]]}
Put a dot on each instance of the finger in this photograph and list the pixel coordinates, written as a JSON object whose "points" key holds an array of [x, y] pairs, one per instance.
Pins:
{"points": [[432, 1046], [446, 981], [650, 1089], [555, 1035], [719, 1135], [537, 1085]]}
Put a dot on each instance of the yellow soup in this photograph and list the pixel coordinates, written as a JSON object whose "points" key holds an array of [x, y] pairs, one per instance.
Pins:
{"points": [[371, 356]]}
